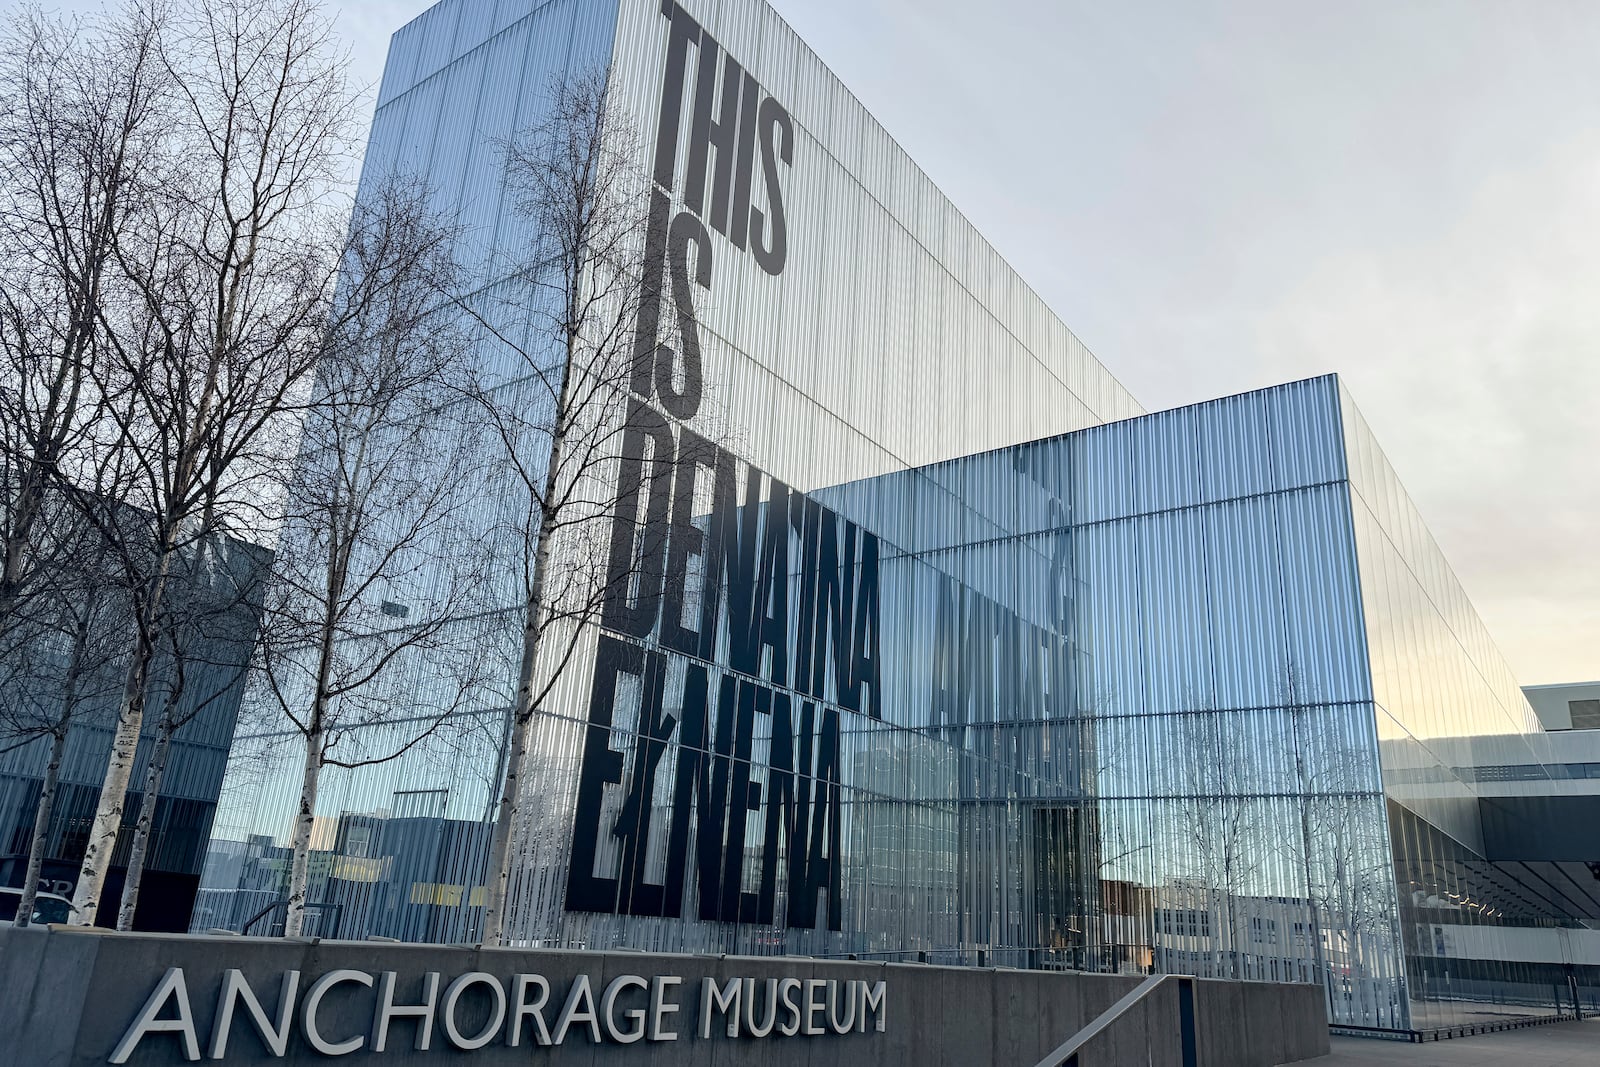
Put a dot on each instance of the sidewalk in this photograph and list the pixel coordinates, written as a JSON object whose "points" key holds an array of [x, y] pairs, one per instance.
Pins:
{"points": [[1556, 1045]]}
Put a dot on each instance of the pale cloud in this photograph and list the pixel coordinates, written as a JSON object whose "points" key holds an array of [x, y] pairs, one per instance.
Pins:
{"points": [[1476, 356]]}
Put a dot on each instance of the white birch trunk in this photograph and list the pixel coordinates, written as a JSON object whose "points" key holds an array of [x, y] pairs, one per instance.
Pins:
{"points": [[141, 835], [509, 809], [124, 749], [41, 830], [300, 865], [113, 790]]}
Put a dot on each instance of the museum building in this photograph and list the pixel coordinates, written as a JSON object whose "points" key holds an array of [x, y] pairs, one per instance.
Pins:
{"points": [[941, 647]]}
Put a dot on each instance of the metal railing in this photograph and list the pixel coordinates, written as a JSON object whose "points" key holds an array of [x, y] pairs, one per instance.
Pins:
{"points": [[324, 927], [1067, 1055]]}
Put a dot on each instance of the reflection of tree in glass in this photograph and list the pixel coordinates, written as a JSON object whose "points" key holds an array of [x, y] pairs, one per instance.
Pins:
{"points": [[62, 648], [561, 405], [1342, 851], [369, 640], [1222, 828]]}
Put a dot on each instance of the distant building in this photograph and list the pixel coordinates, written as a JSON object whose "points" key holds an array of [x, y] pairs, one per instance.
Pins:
{"points": [[1566, 706]]}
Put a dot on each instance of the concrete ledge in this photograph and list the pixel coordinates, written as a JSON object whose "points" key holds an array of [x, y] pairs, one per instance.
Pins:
{"points": [[77, 998]]}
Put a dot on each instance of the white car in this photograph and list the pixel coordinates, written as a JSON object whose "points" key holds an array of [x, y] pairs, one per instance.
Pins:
{"points": [[47, 907]]}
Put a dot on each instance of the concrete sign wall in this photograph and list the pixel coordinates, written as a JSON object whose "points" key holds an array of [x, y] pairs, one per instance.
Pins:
{"points": [[74, 999]]}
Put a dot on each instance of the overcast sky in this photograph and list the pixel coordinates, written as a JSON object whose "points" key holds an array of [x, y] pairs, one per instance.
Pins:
{"points": [[1221, 196]]}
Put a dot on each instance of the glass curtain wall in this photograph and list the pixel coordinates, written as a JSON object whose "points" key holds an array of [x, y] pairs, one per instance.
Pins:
{"points": [[399, 846], [1223, 673], [1445, 702], [220, 583], [1125, 724], [895, 336]]}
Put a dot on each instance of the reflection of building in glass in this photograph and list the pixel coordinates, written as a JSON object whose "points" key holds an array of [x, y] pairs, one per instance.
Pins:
{"points": [[950, 651], [215, 593], [410, 878]]}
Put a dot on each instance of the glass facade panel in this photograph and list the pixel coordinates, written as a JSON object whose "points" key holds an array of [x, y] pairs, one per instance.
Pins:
{"points": [[1446, 704], [49, 660]]}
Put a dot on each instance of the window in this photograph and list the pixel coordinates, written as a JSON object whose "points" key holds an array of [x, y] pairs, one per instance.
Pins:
{"points": [[1585, 714], [1263, 931], [51, 910], [1185, 922]]}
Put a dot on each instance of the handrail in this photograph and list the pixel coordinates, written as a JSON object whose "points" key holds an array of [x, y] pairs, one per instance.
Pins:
{"points": [[1066, 1055], [321, 905], [244, 927]]}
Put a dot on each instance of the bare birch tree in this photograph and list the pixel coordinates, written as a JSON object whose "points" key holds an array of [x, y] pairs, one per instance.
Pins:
{"points": [[80, 107], [1341, 848], [379, 577], [228, 266], [576, 178], [210, 631]]}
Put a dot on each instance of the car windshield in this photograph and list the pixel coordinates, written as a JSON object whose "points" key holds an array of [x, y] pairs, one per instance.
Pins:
{"points": [[50, 910], [8, 905]]}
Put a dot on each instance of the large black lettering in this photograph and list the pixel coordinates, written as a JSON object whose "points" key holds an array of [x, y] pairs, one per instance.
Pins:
{"points": [[686, 540], [731, 564], [712, 824], [865, 657], [780, 805], [720, 133], [632, 827], [772, 587], [743, 796], [684, 402], [601, 766], [977, 659], [739, 218], [800, 824], [823, 871], [769, 240], [804, 518], [828, 606], [843, 637], [684, 32], [946, 708], [636, 564], [751, 547], [691, 794], [647, 324]]}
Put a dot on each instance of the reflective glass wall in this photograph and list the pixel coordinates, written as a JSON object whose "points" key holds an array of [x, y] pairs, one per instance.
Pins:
{"points": [[77, 653], [1446, 702], [852, 324], [1225, 670], [1117, 716], [401, 828]]}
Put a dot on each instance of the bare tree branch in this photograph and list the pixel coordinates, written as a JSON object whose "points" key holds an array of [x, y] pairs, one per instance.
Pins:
{"points": [[562, 417], [226, 271], [377, 564]]}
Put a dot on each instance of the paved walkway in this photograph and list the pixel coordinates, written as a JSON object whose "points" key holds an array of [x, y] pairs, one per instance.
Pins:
{"points": [[1556, 1045]]}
